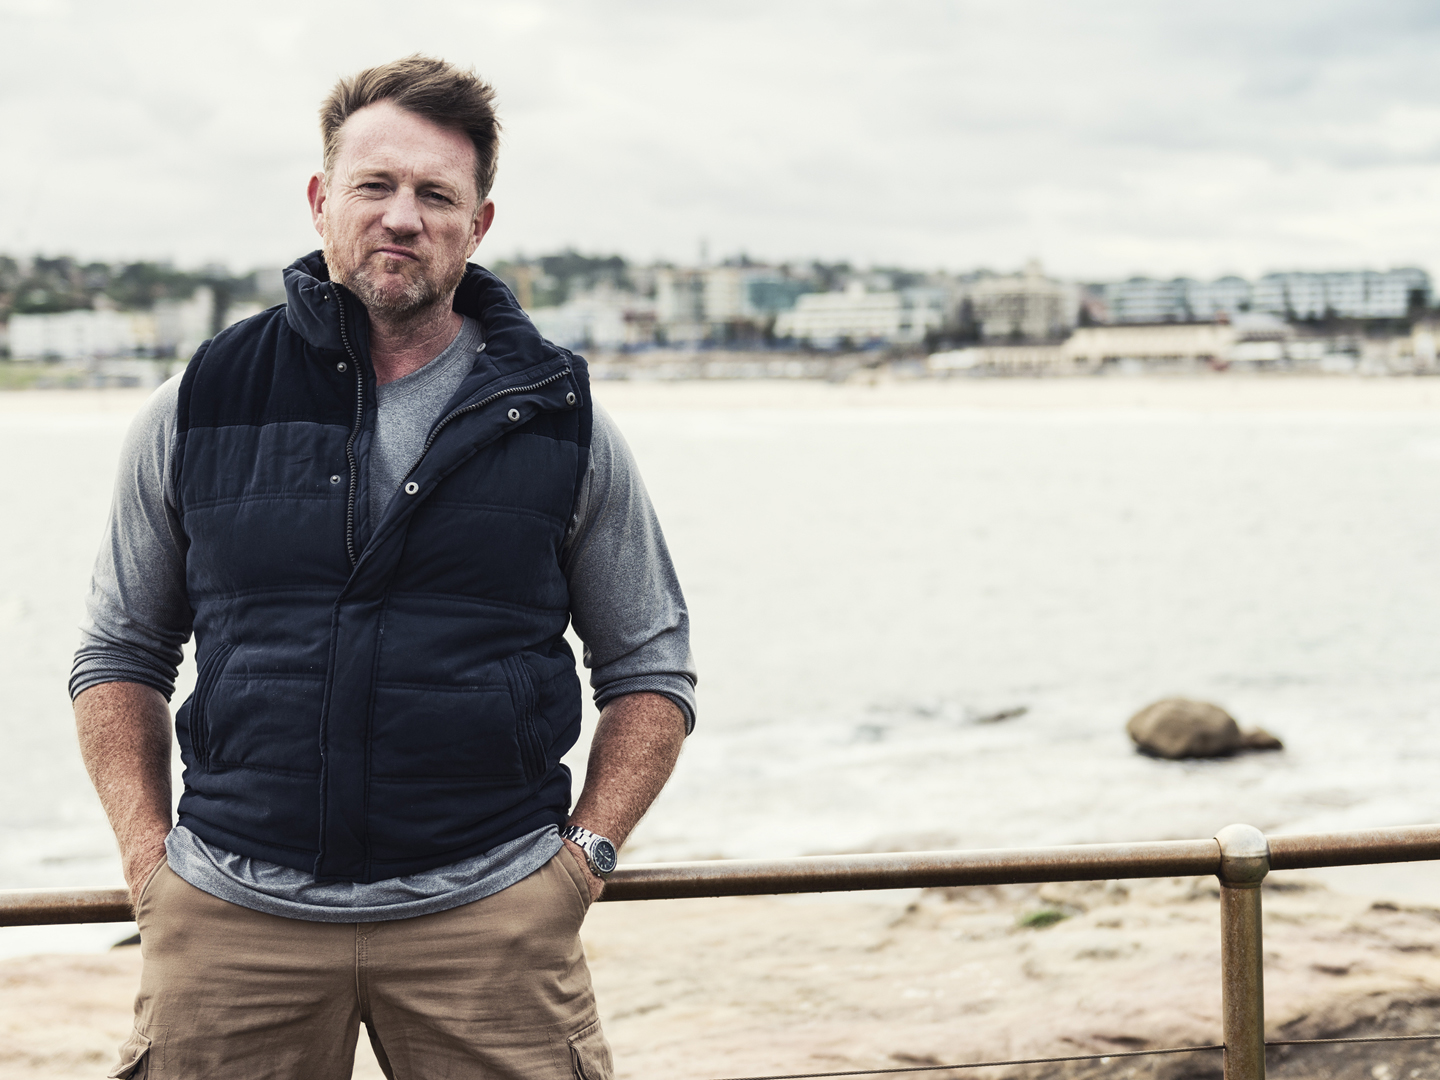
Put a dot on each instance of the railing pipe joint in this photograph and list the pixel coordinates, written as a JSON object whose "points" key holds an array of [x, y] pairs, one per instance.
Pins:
{"points": [[1244, 862], [1244, 856]]}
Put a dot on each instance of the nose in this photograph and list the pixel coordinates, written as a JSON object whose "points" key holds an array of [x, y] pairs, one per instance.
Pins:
{"points": [[402, 213]]}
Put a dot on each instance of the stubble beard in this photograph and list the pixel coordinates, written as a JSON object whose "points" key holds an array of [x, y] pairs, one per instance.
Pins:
{"points": [[421, 292]]}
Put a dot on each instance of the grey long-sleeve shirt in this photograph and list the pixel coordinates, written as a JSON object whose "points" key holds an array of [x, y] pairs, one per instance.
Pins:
{"points": [[626, 605]]}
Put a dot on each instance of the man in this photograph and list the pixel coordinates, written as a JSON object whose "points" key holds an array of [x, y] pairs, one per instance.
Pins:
{"points": [[377, 507]]}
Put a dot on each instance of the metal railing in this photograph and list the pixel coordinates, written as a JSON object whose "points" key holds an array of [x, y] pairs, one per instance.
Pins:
{"points": [[1239, 855]]}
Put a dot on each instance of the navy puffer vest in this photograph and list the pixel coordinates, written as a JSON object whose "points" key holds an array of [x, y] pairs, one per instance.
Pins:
{"points": [[376, 704]]}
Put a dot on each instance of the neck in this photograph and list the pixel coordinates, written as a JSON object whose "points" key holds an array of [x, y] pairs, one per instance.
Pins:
{"points": [[401, 346]]}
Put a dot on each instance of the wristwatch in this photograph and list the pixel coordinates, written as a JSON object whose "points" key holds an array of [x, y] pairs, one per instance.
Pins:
{"points": [[599, 852]]}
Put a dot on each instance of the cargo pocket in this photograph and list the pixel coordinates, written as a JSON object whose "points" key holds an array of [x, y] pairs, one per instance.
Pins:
{"points": [[134, 1059], [590, 1054]]}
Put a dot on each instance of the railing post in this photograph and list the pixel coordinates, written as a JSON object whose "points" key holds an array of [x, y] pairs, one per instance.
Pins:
{"points": [[1244, 862]]}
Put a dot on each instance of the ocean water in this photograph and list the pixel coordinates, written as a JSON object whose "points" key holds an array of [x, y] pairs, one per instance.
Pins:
{"points": [[867, 581]]}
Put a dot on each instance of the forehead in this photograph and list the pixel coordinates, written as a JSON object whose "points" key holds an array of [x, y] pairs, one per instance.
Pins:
{"points": [[385, 137]]}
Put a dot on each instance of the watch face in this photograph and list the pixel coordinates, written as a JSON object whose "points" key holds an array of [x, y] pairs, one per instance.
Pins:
{"points": [[602, 852]]}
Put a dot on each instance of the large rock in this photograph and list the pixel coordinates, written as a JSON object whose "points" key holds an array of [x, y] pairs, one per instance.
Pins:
{"points": [[1181, 728]]}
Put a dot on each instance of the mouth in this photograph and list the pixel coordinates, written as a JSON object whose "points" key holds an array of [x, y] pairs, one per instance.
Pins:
{"points": [[398, 253]]}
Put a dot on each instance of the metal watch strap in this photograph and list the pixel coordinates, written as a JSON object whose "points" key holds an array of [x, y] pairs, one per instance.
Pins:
{"points": [[585, 840]]}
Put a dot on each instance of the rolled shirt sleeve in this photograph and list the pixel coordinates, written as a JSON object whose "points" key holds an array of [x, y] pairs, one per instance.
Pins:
{"points": [[625, 597], [137, 613]]}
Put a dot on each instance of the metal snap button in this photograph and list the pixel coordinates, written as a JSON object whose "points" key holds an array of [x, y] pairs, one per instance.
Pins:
{"points": [[411, 488], [514, 414], [570, 399], [335, 479], [340, 366]]}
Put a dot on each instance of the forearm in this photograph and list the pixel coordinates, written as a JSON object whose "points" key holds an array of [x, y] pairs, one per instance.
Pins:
{"points": [[632, 755], [124, 731]]}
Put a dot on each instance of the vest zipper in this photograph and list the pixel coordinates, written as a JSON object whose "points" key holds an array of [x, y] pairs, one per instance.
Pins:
{"points": [[354, 431], [481, 404]]}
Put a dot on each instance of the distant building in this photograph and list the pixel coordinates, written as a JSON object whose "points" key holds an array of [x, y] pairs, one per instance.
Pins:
{"points": [[770, 294], [1424, 339], [1026, 306], [1146, 300], [1209, 342], [747, 293], [1354, 294], [605, 318], [182, 325], [862, 318], [1230, 296], [81, 335], [720, 302], [680, 304], [172, 328]]}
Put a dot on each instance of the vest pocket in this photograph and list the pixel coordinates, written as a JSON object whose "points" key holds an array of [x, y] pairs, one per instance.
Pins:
{"points": [[205, 682], [525, 698]]}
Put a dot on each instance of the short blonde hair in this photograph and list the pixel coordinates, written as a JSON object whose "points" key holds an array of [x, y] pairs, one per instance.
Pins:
{"points": [[428, 87]]}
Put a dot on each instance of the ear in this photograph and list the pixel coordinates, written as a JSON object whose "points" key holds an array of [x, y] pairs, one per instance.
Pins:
{"points": [[483, 220], [315, 192]]}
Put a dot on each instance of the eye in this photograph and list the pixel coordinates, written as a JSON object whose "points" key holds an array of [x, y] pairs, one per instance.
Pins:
{"points": [[436, 197]]}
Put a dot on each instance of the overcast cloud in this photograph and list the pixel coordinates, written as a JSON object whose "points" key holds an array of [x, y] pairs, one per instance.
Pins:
{"points": [[1107, 138]]}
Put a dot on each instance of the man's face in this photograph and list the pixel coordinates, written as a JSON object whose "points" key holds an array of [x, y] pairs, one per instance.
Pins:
{"points": [[399, 213]]}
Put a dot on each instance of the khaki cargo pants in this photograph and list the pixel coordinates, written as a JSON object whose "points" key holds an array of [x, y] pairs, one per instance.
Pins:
{"points": [[496, 989]]}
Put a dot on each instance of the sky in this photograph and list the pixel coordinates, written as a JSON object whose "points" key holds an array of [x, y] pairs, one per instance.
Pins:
{"points": [[1109, 138]]}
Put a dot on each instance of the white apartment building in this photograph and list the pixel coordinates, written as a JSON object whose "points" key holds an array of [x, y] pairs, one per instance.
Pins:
{"points": [[1356, 294], [1027, 305], [724, 297], [862, 318], [172, 328], [679, 296], [746, 293], [1146, 300], [603, 319], [79, 335]]}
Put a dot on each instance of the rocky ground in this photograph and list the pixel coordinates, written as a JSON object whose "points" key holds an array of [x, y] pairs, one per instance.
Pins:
{"points": [[765, 985]]}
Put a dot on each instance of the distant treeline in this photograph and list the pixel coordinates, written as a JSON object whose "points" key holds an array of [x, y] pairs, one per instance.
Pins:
{"points": [[42, 285]]}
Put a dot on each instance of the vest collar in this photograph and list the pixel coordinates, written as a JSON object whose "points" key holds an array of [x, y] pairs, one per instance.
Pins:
{"points": [[512, 343]]}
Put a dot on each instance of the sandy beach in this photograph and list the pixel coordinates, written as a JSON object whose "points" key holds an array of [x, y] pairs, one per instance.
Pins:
{"points": [[757, 986]]}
